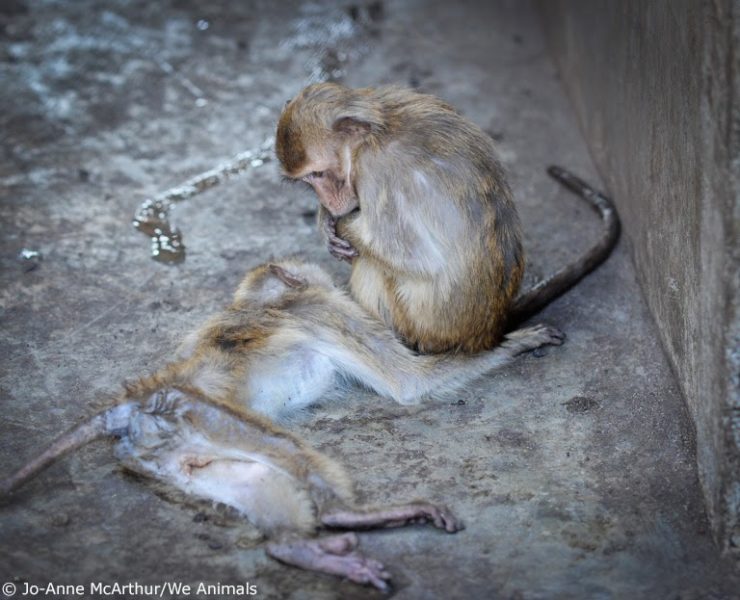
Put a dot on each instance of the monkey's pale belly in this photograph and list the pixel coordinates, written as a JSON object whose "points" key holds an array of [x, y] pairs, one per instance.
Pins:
{"points": [[290, 382], [268, 496]]}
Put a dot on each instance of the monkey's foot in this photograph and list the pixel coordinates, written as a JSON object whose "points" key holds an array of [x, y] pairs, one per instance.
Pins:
{"points": [[334, 555], [399, 516], [531, 338]]}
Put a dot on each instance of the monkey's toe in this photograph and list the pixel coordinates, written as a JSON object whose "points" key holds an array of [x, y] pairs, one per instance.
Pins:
{"points": [[542, 335], [360, 569]]}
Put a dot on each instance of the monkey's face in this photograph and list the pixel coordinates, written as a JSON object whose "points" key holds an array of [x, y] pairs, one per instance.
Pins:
{"points": [[328, 171], [316, 147], [335, 191]]}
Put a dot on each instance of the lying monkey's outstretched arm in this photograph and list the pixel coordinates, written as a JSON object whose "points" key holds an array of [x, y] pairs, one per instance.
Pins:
{"points": [[384, 364], [394, 516]]}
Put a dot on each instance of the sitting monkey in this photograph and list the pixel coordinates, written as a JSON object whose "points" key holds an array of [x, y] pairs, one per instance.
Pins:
{"points": [[411, 193]]}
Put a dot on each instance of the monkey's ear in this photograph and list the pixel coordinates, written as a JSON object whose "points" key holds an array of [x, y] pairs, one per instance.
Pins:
{"points": [[351, 126], [289, 279]]}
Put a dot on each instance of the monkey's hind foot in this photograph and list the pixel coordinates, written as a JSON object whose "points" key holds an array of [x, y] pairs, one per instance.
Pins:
{"points": [[531, 338], [398, 516], [335, 555]]}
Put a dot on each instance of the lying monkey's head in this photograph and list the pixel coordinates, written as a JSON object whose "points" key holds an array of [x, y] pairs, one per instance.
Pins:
{"points": [[270, 282]]}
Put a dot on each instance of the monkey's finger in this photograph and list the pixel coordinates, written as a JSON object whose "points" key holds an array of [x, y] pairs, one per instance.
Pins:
{"points": [[378, 567], [337, 241], [443, 518], [343, 253], [452, 523], [377, 576], [361, 569], [557, 337]]}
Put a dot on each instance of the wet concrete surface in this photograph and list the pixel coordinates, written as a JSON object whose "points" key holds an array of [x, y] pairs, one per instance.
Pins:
{"points": [[574, 470]]}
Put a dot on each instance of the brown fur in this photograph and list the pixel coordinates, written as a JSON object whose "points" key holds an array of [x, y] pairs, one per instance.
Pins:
{"points": [[190, 424], [416, 166], [215, 451], [294, 312]]}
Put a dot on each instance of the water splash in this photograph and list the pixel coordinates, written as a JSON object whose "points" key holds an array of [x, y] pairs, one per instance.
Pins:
{"points": [[30, 259], [153, 216]]}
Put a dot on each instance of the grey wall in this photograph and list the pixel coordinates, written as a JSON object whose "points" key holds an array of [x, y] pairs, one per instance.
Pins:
{"points": [[655, 87]]}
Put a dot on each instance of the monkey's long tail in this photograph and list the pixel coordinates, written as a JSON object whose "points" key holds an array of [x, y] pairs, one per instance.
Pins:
{"points": [[86, 432], [544, 292]]}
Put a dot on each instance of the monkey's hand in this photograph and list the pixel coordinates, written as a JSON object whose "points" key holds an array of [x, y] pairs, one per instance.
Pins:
{"points": [[338, 247], [532, 338]]}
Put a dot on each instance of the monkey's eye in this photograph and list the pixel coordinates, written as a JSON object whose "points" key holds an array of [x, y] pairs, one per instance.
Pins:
{"points": [[314, 175]]}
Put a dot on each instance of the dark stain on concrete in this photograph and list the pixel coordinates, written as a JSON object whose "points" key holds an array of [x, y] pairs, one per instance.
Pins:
{"points": [[580, 404]]}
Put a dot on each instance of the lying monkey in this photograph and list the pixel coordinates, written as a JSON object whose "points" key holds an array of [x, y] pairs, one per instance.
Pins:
{"points": [[284, 341], [290, 336], [220, 453]]}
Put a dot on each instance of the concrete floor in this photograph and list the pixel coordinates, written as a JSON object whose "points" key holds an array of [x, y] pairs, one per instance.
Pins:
{"points": [[574, 470]]}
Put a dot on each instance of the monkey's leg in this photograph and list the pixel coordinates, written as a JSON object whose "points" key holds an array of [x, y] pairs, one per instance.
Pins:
{"points": [[335, 555], [398, 516]]}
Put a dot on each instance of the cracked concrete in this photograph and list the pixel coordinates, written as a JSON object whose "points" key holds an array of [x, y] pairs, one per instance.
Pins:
{"points": [[574, 470]]}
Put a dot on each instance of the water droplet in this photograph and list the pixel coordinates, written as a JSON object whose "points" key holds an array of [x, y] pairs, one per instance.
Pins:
{"points": [[30, 259], [152, 217], [28, 254]]}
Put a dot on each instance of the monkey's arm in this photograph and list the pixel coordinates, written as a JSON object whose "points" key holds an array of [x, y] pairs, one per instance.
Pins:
{"points": [[335, 555], [397, 516], [381, 362], [338, 247]]}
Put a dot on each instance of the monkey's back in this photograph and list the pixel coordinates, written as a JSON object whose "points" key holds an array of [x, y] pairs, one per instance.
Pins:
{"points": [[441, 258]]}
